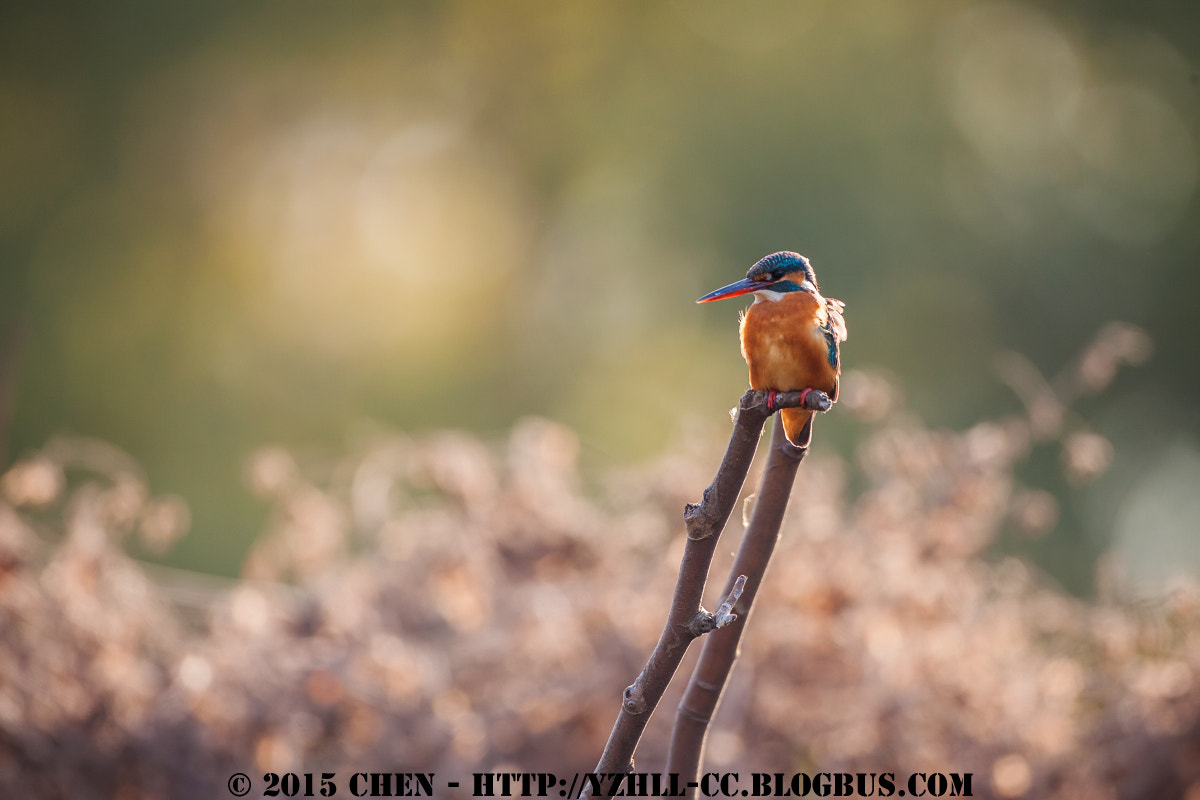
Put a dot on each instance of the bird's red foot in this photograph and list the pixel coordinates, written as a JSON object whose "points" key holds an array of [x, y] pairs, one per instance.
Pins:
{"points": [[771, 399], [804, 396]]}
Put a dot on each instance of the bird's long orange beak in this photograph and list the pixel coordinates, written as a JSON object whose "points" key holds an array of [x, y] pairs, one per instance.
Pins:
{"points": [[744, 286]]}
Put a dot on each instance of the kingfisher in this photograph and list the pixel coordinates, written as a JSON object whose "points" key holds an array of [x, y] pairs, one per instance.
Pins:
{"points": [[791, 335]]}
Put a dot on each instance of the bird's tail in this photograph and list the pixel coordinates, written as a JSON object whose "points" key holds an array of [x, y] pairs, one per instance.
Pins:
{"points": [[797, 424]]}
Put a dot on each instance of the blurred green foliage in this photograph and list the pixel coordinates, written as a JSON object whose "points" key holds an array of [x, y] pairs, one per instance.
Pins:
{"points": [[224, 225]]}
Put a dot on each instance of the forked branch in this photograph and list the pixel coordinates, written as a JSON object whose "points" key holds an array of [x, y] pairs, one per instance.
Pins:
{"points": [[720, 651], [687, 619]]}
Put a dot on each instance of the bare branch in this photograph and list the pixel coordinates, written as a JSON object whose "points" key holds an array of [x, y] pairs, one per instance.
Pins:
{"points": [[687, 618], [721, 648]]}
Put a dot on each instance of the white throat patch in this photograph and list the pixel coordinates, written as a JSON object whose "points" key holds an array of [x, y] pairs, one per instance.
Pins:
{"points": [[767, 294]]}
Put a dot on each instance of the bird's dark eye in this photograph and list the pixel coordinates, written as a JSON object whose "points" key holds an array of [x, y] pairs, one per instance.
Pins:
{"points": [[776, 275]]}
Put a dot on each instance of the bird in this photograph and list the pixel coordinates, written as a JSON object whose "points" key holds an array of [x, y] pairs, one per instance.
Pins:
{"points": [[791, 336]]}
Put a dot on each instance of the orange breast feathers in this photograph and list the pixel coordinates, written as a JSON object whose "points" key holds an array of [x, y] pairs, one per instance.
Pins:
{"points": [[787, 346]]}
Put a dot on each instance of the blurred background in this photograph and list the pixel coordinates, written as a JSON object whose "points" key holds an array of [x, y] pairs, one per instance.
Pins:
{"points": [[390, 307], [225, 225]]}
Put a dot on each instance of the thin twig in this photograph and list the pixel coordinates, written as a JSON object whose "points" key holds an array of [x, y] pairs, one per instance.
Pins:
{"points": [[706, 621], [720, 651], [724, 613], [704, 523]]}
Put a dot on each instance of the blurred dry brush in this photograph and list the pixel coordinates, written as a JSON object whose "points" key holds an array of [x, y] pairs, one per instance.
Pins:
{"points": [[445, 604]]}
